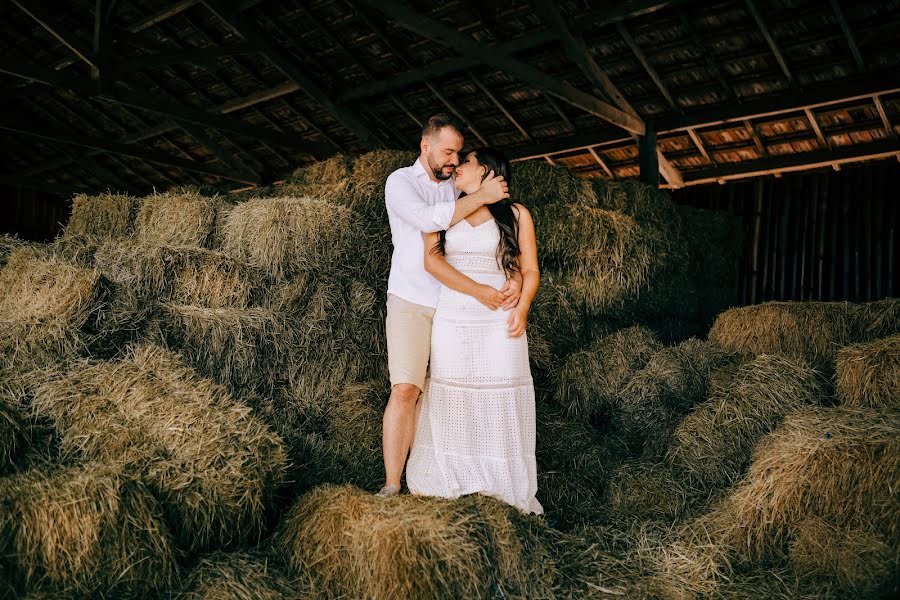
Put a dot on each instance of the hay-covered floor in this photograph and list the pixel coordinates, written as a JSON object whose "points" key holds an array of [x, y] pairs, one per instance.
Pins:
{"points": [[192, 384]]}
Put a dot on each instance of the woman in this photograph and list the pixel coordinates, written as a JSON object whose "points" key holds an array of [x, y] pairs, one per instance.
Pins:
{"points": [[475, 430]]}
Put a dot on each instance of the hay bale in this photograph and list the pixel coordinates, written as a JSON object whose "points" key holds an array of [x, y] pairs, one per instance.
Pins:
{"points": [[91, 529], [536, 185], [285, 236], [370, 173], [9, 244], [590, 380], [46, 304], [102, 216], [242, 576], [643, 490], [712, 445], [869, 374], [12, 428], [177, 218], [213, 465], [647, 407], [646, 203], [556, 319], [859, 563], [180, 274], [329, 171], [812, 331], [238, 347], [361, 546]]}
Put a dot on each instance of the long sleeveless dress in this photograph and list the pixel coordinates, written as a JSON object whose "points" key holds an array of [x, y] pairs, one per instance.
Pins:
{"points": [[475, 428]]}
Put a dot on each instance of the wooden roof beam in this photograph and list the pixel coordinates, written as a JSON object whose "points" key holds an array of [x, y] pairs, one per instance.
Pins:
{"points": [[642, 58], [500, 106], [888, 127], [250, 32], [764, 29], [848, 35], [601, 162], [435, 30], [700, 146], [814, 123]]}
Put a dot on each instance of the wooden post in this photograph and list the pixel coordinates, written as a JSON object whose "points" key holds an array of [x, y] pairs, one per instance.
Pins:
{"points": [[649, 163], [757, 231]]}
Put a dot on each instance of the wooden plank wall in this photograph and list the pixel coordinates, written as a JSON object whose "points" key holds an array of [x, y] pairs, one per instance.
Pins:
{"points": [[33, 215], [813, 236]]}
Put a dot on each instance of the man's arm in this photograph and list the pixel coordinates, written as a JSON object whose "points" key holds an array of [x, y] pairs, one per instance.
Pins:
{"points": [[493, 189], [449, 276]]}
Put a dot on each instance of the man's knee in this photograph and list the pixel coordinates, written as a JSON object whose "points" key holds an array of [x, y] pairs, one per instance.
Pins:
{"points": [[406, 393]]}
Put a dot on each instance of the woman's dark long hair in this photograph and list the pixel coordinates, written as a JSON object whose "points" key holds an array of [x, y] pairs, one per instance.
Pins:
{"points": [[502, 211]]}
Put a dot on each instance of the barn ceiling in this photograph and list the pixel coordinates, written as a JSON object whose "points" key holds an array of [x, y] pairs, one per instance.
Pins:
{"points": [[135, 95]]}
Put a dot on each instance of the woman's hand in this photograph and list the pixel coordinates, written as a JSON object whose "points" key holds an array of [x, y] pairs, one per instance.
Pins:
{"points": [[489, 296], [515, 324]]}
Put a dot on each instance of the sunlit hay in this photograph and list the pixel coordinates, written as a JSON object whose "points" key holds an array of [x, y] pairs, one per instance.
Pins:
{"points": [[636, 199], [536, 185], [713, 443], [839, 465], [243, 576], [45, 305], [651, 402], [593, 378], [860, 563], [812, 331], [177, 218], [370, 173], [332, 170], [361, 546], [238, 347], [180, 274], [211, 462], [874, 320], [557, 319], [644, 490], [285, 236], [8, 244], [869, 374], [86, 530], [103, 216]]}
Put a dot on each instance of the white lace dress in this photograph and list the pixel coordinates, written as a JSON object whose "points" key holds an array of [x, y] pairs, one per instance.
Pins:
{"points": [[475, 429]]}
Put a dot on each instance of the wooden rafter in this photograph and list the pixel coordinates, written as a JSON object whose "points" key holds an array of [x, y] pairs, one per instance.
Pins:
{"points": [[814, 123], [764, 29], [250, 32], [848, 35], [700, 146], [500, 106], [602, 163], [467, 46], [642, 58], [888, 127]]}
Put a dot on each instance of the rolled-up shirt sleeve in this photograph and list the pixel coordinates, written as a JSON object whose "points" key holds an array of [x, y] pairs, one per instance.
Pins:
{"points": [[405, 200]]}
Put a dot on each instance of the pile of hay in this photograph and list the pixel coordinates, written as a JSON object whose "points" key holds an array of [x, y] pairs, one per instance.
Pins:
{"points": [[211, 462], [12, 428], [44, 308], [8, 244], [536, 185], [643, 490], [87, 530], [243, 576], [812, 331], [591, 379], [180, 274], [286, 236], [869, 374], [712, 445], [361, 546], [370, 173], [674, 379], [101, 216], [178, 218]]}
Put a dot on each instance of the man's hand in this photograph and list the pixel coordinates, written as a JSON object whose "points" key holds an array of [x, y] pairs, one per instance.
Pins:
{"points": [[512, 291], [515, 324], [488, 296], [494, 188]]}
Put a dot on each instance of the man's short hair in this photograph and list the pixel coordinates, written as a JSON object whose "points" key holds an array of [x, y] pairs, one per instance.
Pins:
{"points": [[438, 121]]}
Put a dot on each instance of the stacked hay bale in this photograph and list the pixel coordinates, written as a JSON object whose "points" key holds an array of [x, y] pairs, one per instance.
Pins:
{"points": [[94, 220], [360, 546], [868, 374], [213, 465], [243, 576], [84, 531]]}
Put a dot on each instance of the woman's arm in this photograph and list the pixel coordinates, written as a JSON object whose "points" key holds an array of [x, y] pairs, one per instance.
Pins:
{"points": [[437, 265], [528, 265]]}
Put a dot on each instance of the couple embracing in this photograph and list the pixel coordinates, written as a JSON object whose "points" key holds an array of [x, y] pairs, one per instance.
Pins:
{"points": [[463, 275]]}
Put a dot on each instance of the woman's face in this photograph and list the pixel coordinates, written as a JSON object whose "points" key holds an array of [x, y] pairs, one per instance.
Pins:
{"points": [[469, 174]]}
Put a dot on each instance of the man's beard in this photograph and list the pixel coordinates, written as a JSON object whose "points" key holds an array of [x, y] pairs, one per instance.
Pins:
{"points": [[438, 170]]}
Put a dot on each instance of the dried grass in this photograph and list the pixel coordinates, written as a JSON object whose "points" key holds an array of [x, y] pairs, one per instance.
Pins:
{"points": [[869, 374], [12, 428], [537, 185], [330, 171], [180, 274], [712, 445], [213, 464], [243, 576], [8, 244], [636, 199], [370, 173], [362, 546], [102, 216], [556, 319], [178, 218], [642, 490], [87, 530], [812, 331], [286, 236], [592, 379]]}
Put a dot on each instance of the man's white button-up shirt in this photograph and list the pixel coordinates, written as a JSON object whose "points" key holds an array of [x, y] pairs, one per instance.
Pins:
{"points": [[416, 204]]}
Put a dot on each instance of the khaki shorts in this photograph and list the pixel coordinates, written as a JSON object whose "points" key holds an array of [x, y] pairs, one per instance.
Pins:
{"points": [[408, 328]]}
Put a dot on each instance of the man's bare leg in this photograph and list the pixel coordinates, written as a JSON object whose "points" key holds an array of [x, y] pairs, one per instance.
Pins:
{"points": [[398, 429]]}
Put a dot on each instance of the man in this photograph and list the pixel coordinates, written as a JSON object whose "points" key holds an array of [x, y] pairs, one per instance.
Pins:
{"points": [[421, 199]]}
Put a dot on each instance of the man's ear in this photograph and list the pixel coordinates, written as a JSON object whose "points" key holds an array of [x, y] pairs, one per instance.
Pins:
{"points": [[423, 145]]}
